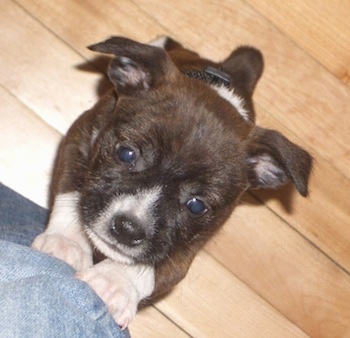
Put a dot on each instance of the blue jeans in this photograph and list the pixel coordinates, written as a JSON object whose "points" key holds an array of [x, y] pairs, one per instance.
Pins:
{"points": [[39, 296]]}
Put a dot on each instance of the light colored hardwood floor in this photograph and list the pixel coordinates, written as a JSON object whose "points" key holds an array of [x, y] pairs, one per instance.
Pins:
{"points": [[280, 267]]}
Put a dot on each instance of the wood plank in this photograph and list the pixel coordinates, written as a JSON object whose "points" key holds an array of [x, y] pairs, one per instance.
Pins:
{"points": [[80, 24], [282, 267], [27, 149], [225, 308], [46, 77], [150, 323], [322, 28]]}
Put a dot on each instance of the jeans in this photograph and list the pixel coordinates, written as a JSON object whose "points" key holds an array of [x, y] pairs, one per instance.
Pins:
{"points": [[39, 296]]}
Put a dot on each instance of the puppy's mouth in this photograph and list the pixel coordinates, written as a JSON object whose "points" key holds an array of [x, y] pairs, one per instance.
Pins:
{"points": [[113, 249]]}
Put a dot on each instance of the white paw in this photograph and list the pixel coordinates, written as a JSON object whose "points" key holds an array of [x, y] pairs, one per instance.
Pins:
{"points": [[116, 292], [121, 287], [64, 248]]}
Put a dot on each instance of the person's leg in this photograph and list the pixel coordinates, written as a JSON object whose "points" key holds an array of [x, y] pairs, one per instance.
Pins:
{"points": [[20, 219], [39, 296]]}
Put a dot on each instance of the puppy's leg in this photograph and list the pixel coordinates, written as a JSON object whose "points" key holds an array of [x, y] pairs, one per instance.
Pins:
{"points": [[120, 286], [64, 237], [172, 270]]}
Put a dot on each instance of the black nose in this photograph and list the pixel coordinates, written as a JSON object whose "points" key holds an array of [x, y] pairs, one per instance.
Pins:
{"points": [[127, 231]]}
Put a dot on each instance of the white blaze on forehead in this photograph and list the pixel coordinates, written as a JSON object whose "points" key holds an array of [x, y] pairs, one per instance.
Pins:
{"points": [[235, 100], [139, 204]]}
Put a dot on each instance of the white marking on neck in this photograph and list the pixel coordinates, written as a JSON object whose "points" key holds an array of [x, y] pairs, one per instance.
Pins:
{"points": [[140, 205], [234, 99]]}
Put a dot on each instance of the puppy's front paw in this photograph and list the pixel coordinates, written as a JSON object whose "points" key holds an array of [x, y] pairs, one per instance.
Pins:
{"points": [[121, 287], [64, 248], [116, 292]]}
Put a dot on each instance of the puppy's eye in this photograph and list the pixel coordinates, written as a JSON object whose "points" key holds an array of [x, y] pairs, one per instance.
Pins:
{"points": [[196, 207], [126, 154]]}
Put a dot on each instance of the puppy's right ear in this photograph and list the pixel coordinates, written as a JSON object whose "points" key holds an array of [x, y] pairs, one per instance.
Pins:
{"points": [[136, 67]]}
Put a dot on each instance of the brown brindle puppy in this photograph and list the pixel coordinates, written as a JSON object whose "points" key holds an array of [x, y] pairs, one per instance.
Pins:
{"points": [[155, 168]]}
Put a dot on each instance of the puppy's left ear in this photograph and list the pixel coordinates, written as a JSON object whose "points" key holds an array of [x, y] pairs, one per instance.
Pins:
{"points": [[137, 66], [273, 160]]}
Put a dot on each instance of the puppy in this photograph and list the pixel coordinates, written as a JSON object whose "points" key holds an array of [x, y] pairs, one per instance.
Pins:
{"points": [[155, 168]]}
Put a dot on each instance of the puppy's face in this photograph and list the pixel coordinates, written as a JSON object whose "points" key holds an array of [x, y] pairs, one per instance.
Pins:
{"points": [[167, 169]]}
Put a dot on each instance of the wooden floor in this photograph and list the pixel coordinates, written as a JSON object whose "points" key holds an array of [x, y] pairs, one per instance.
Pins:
{"points": [[280, 267]]}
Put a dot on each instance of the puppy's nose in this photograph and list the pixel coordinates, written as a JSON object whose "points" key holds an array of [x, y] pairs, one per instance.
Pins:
{"points": [[127, 231]]}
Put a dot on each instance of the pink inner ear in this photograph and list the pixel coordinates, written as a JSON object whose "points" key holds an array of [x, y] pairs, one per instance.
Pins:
{"points": [[270, 172], [267, 172], [136, 66], [126, 74], [273, 160]]}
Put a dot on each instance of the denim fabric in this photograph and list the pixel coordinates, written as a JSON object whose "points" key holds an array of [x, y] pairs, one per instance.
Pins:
{"points": [[20, 219], [39, 296]]}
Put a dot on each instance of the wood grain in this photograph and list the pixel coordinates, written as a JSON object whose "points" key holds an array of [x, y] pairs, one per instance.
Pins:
{"points": [[282, 267], [37, 71], [203, 314], [317, 27], [27, 149], [281, 264], [151, 323]]}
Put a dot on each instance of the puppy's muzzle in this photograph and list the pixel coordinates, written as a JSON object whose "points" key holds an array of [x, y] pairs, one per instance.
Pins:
{"points": [[127, 231]]}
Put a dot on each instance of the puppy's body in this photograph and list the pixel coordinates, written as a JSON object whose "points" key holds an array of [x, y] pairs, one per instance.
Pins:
{"points": [[151, 172]]}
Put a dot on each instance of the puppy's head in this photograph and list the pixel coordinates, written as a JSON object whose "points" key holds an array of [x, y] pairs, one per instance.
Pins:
{"points": [[167, 169]]}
